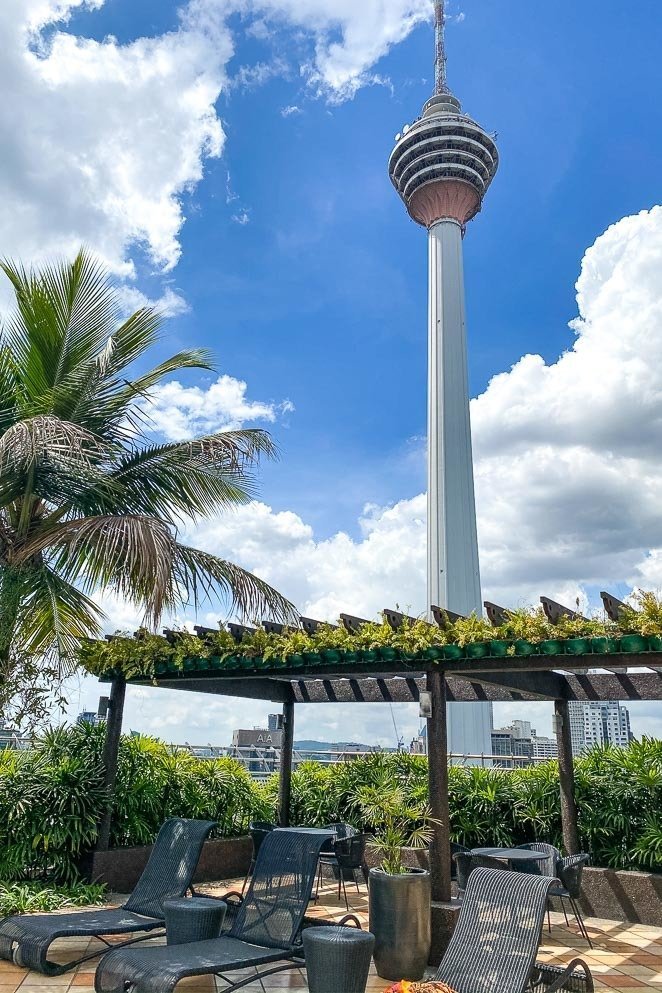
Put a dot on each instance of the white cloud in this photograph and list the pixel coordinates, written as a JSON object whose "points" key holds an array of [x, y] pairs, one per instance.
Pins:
{"points": [[290, 111], [178, 412], [100, 139], [169, 304], [348, 38]]}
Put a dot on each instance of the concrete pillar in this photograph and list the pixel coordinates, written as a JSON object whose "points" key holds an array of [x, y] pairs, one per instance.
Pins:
{"points": [[566, 778], [285, 782], [110, 754], [440, 867]]}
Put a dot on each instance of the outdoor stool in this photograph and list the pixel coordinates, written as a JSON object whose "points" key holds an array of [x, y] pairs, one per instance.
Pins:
{"points": [[337, 959], [194, 919]]}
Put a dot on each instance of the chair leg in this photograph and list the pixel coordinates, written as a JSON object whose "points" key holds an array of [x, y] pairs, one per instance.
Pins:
{"points": [[565, 912], [344, 889], [248, 875], [549, 919], [319, 880], [580, 921]]}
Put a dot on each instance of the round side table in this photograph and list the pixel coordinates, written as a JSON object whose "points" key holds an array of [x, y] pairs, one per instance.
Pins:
{"points": [[337, 958], [194, 919]]}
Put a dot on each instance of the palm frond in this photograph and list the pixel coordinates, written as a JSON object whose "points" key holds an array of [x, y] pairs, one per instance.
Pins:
{"points": [[203, 575], [133, 555], [54, 616], [182, 480]]}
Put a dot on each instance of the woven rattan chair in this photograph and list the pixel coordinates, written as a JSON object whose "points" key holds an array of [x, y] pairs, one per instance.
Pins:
{"points": [[265, 929], [569, 871], [457, 849], [494, 945], [539, 867], [258, 831], [465, 863], [26, 939], [347, 857]]}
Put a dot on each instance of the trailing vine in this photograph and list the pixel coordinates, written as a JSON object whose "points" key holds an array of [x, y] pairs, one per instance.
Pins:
{"points": [[524, 632]]}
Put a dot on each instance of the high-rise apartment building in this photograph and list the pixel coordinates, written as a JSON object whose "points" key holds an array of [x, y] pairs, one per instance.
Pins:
{"points": [[598, 723]]}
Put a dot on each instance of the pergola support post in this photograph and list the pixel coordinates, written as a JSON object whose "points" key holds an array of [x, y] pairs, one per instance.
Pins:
{"points": [[437, 734], [285, 782], [109, 758], [566, 778]]}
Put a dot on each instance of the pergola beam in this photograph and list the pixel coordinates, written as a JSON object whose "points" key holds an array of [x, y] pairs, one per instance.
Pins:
{"points": [[275, 690]]}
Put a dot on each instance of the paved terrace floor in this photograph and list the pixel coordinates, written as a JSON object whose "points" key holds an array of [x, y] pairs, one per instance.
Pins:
{"points": [[626, 957]]}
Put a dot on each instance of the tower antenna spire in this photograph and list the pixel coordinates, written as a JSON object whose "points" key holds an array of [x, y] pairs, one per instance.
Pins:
{"points": [[440, 85]]}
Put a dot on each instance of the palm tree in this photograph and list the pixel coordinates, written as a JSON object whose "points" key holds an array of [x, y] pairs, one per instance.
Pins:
{"points": [[88, 500]]}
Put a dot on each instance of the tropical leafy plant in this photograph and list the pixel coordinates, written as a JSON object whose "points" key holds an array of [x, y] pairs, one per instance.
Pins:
{"points": [[88, 498], [398, 821], [28, 898]]}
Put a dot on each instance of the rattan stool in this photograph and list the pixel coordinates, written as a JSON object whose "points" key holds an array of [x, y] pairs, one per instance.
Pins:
{"points": [[337, 959], [194, 919]]}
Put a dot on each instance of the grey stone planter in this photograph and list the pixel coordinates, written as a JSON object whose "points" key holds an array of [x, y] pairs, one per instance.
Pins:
{"points": [[620, 895], [120, 868], [400, 922]]}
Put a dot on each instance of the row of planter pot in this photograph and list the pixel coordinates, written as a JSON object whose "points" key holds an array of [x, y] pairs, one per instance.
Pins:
{"points": [[628, 644]]}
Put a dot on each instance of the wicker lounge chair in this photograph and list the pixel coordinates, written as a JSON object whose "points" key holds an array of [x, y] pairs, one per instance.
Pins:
{"points": [[265, 930], [494, 945], [26, 939]]}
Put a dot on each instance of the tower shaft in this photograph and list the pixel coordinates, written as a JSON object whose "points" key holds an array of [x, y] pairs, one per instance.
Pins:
{"points": [[453, 570]]}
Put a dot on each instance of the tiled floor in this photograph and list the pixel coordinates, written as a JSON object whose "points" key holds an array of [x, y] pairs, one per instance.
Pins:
{"points": [[626, 957]]}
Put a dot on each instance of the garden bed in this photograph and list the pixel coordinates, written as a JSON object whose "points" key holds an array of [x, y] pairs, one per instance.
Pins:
{"points": [[120, 868]]}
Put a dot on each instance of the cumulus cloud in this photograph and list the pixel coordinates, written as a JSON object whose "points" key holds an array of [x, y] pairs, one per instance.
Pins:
{"points": [[169, 304], [178, 412], [101, 139], [347, 39]]}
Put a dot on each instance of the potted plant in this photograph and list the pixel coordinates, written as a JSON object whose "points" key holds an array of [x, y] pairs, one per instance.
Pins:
{"points": [[399, 896]]}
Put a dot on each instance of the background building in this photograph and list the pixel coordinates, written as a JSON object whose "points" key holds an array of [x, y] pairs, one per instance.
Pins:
{"points": [[510, 748], [544, 748], [598, 723], [441, 166]]}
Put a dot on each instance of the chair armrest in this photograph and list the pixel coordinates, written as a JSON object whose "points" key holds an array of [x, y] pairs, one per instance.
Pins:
{"points": [[550, 978]]}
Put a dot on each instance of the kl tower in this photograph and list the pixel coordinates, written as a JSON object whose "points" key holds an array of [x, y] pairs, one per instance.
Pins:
{"points": [[441, 167]]}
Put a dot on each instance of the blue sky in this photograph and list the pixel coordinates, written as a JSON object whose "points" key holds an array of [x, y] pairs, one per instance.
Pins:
{"points": [[300, 268]]}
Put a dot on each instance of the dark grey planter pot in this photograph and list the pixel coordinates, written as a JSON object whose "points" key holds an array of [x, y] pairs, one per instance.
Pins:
{"points": [[400, 922]]}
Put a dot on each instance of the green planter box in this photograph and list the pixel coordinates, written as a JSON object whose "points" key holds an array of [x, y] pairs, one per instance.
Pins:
{"points": [[388, 654], [552, 646], [369, 655], [524, 647], [654, 643], [215, 662], [434, 652], [499, 649], [312, 658], [634, 643], [605, 646], [295, 661], [453, 652], [578, 646], [330, 655], [476, 650]]}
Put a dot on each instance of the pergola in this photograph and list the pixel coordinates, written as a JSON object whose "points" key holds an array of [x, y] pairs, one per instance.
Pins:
{"points": [[534, 677]]}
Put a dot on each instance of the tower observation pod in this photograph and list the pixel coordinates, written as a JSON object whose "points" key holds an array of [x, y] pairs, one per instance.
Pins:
{"points": [[442, 166]]}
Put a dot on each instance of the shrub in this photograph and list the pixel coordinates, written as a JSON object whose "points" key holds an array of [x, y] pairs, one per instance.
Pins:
{"points": [[52, 798], [619, 796]]}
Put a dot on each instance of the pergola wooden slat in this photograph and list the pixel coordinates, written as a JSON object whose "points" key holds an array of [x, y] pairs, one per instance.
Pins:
{"points": [[560, 679]]}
